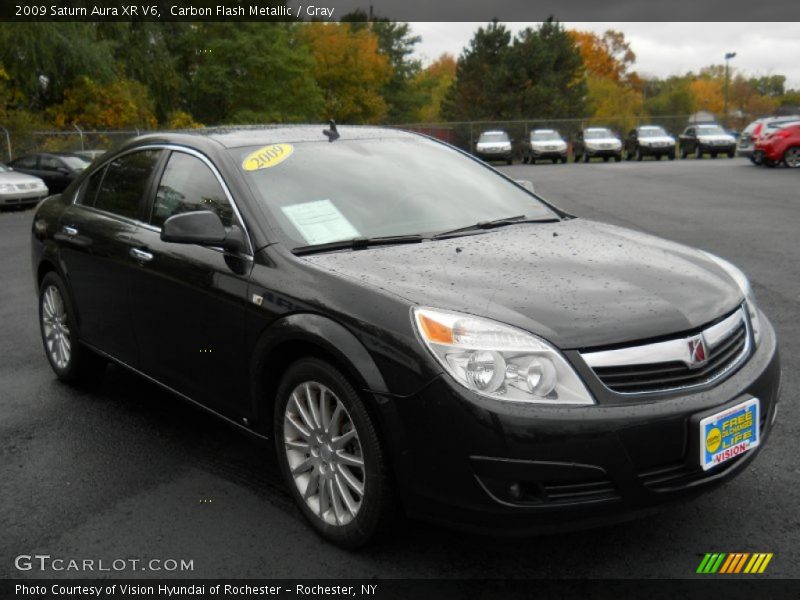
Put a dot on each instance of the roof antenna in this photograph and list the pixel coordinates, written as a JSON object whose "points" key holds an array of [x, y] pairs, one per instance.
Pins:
{"points": [[331, 133]]}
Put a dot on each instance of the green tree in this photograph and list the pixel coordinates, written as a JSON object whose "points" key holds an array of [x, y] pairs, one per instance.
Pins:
{"points": [[547, 73], [482, 87], [669, 97], [433, 82], [43, 59], [250, 72]]}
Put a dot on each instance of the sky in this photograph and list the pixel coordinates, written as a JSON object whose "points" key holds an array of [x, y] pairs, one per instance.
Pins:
{"points": [[663, 49]]}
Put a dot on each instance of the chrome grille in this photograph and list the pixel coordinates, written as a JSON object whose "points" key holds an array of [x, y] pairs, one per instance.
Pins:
{"points": [[670, 365]]}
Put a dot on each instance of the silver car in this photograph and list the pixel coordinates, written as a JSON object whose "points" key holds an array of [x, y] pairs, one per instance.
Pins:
{"points": [[19, 189]]}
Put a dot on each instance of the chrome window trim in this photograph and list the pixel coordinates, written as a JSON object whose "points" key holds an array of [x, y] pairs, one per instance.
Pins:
{"points": [[675, 350], [175, 148]]}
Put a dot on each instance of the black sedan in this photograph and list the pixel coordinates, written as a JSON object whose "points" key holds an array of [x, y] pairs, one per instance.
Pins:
{"points": [[412, 330], [708, 138], [57, 170]]}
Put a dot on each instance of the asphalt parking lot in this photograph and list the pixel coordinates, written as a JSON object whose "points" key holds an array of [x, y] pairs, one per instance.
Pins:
{"points": [[122, 469]]}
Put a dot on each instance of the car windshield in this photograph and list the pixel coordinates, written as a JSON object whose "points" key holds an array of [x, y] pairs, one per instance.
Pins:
{"points": [[710, 130], [545, 136], [646, 132], [597, 134], [495, 136], [78, 163], [326, 192]]}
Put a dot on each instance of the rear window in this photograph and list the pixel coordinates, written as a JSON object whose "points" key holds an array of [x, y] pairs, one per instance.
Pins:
{"points": [[125, 183]]}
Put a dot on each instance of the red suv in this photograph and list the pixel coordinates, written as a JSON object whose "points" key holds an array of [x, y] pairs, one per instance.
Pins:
{"points": [[781, 145]]}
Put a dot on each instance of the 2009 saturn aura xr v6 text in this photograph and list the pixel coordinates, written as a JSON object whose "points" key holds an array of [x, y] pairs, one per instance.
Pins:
{"points": [[413, 330]]}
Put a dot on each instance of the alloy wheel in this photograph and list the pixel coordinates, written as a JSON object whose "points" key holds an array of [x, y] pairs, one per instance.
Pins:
{"points": [[324, 453], [792, 157], [55, 327]]}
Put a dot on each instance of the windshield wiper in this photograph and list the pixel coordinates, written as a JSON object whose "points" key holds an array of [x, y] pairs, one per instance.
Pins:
{"points": [[492, 224], [357, 244]]}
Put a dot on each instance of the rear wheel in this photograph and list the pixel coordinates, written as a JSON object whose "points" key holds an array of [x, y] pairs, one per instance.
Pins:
{"points": [[330, 455], [698, 152], [68, 358], [684, 154], [791, 158], [639, 155], [671, 155], [563, 160]]}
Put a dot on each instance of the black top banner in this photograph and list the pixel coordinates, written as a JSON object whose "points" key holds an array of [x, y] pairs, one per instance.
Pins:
{"points": [[405, 10]]}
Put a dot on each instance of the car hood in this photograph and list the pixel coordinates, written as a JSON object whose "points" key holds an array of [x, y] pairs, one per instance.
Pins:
{"points": [[661, 139], [576, 283], [16, 177], [486, 145], [602, 141], [716, 138], [548, 143]]}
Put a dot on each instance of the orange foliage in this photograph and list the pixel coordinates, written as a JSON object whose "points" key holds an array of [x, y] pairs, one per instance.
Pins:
{"points": [[349, 70], [121, 104], [608, 56], [708, 95]]}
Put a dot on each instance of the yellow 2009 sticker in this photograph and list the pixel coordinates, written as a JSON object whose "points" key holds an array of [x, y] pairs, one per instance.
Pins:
{"points": [[267, 157]]}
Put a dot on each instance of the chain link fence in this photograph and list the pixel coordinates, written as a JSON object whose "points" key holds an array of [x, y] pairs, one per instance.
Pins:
{"points": [[461, 134]]}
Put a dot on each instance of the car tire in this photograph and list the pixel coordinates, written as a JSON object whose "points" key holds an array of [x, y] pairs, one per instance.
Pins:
{"points": [[576, 158], [791, 157], [307, 451], [684, 154], [713, 155], [509, 161], [554, 160], [698, 153], [671, 155], [639, 155], [731, 153], [628, 155], [563, 160], [70, 360]]}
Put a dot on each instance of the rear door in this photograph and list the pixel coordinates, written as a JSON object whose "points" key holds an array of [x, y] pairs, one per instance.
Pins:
{"points": [[96, 236], [189, 300]]}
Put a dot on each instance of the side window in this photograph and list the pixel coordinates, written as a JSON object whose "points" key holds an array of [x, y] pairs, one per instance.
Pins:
{"points": [[125, 183], [89, 192], [50, 163], [26, 162], [188, 185], [690, 132]]}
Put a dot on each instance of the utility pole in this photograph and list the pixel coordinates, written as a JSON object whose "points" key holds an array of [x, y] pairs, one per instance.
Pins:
{"points": [[728, 57]]}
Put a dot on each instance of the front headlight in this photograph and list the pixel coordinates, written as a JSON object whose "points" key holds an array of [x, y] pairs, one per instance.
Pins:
{"points": [[499, 361], [6, 188], [744, 284]]}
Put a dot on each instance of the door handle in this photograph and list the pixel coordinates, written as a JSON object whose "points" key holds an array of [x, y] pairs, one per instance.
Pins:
{"points": [[141, 255], [70, 231]]}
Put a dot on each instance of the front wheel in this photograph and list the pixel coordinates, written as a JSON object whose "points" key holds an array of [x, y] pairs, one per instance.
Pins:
{"points": [[684, 154], [731, 153], [68, 358], [671, 155], [791, 158], [563, 160], [698, 153], [330, 455]]}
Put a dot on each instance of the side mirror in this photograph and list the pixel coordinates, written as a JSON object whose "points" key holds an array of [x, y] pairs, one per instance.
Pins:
{"points": [[528, 185], [203, 228]]}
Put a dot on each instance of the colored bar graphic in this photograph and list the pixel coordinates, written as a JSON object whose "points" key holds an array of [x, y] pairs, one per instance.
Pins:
{"points": [[734, 562]]}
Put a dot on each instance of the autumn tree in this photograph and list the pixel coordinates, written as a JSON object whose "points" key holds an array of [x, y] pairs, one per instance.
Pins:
{"points": [[433, 82], [609, 56], [396, 42], [121, 104], [349, 71]]}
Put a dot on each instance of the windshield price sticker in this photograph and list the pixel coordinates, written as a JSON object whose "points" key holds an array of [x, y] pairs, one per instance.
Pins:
{"points": [[320, 222]]}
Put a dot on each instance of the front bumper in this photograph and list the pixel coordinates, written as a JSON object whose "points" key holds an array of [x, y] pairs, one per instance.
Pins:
{"points": [[717, 149], [484, 465], [657, 150], [22, 198], [603, 151], [488, 156], [549, 153]]}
